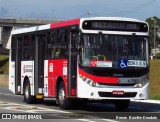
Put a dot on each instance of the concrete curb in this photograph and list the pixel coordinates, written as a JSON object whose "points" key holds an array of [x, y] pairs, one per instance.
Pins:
{"points": [[4, 80]]}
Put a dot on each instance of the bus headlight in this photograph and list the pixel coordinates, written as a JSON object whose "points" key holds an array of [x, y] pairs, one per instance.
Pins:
{"points": [[141, 84], [90, 82]]}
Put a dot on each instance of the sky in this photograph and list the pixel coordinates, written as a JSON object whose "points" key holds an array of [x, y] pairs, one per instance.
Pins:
{"points": [[71, 9]]}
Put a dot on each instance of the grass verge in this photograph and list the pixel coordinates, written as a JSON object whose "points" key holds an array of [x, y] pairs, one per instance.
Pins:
{"points": [[3, 57], [4, 69], [154, 79]]}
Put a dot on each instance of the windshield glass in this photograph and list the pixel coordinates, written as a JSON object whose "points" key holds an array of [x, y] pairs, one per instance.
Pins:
{"points": [[114, 51]]}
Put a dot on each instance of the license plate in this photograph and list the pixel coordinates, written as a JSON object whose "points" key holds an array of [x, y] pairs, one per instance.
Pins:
{"points": [[118, 92]]}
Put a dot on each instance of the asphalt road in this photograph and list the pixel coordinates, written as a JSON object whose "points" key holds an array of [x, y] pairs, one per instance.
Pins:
{"points": [[93, 112]]}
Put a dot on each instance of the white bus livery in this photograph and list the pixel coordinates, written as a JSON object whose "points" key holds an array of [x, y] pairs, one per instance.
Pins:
{"points": [[102, 59]]}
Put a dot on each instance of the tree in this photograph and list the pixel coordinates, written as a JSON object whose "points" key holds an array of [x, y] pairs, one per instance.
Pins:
{"points": [[151, 23]]}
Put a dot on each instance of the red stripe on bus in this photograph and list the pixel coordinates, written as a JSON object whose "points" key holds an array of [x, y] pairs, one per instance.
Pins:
{"points": [[55, 70], [99, 79], [50, 79], [65, 23]]}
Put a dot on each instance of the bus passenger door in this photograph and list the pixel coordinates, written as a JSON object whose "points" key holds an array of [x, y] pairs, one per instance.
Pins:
{"points": [[39, 64], [72, 64], [18, 66]]}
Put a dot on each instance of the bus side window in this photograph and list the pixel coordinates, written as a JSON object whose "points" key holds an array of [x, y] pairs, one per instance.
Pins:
{"points": [[56, 44], [28, 47], [51, 39], [57, 52], [13, 49], [26, 53], [62, 44], [63, 36]]}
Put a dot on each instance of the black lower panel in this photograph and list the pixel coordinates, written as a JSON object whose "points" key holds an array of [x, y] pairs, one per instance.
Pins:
{"points": [[109, 94]]}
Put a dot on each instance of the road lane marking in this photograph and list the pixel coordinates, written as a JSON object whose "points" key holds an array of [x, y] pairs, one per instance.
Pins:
{"points": [[9, 104], [45, 109], [13, 95], [35, 108], [86, 120], [11, 108], [3, 103], [109, 120], [54, 110]]}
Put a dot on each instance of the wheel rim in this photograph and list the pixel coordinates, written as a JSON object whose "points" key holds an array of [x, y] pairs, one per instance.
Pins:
{"points": [[27, 92], [61, 96]]}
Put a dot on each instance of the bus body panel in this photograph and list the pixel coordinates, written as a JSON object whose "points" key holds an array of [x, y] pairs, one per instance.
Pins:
{"points": [[46, 78], [54, 69], [107, 90], [65, 23], [27, 70], [31, 29], [12, 76], [93, 92]]}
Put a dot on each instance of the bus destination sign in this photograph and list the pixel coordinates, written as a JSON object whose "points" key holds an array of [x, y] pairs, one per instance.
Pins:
{"points": [[115, 26]]}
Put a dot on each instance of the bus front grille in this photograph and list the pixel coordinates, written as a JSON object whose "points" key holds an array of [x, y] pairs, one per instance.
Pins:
{"points": [[109, 94]]}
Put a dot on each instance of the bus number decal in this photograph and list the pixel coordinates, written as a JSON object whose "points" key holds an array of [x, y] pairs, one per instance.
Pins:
{"points": [[124, 63], [136, 63]]}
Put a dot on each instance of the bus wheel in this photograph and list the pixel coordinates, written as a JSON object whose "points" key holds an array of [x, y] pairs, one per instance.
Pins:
{"points": [[27, 94], [122, 104], [63, 102]]}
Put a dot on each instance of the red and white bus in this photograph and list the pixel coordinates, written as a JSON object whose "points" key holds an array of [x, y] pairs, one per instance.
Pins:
{"points": [[100, 58]]}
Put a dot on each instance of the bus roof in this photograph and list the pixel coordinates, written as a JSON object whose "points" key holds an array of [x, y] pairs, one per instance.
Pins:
{"points": [[45, 27], [113, 18], [67, 23]]}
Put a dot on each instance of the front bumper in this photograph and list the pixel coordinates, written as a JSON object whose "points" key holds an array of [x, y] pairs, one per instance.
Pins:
{"points": [[86, 91]]}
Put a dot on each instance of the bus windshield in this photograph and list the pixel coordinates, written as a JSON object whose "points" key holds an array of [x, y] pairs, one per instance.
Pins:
{"points": [[114, 51]]}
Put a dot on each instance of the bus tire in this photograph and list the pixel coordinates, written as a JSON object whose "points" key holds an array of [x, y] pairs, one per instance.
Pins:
{"points": [[27, 94], [122, 105], [63, 102]]}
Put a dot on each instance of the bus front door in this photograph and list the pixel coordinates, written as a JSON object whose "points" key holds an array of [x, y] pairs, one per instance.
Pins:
{"points": [[39, 64], [18, 66], [72, 63]]}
